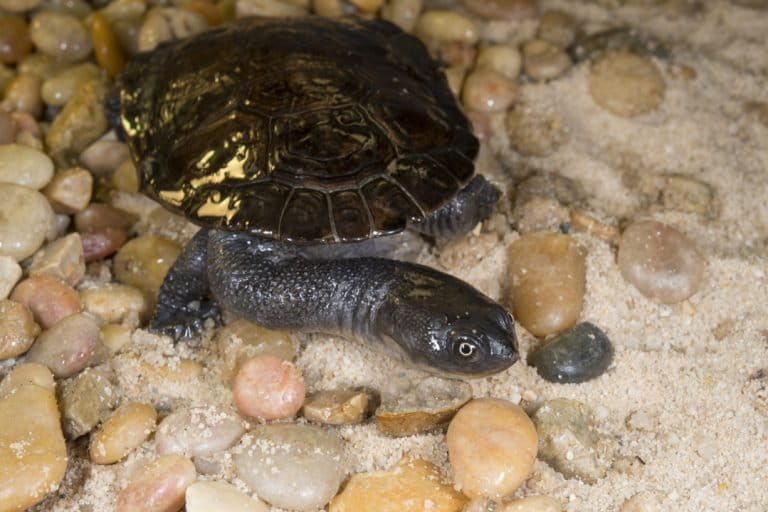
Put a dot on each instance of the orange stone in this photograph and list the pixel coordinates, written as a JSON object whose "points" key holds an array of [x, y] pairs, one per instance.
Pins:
{"points": [[109, 55]]}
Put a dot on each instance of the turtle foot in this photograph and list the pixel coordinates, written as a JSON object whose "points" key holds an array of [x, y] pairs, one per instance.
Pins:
{"points": [[184, 322]]}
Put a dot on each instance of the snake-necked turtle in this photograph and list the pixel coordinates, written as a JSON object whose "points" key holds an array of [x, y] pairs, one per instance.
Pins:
{"points": [[289, 139]]}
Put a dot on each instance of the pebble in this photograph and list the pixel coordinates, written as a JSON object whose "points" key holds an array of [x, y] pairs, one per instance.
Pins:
{"points": [[82, 120], [60, 35], [160, 486], [403, 13], [502, 58], [626, 84], [124, 431], [455, 76], [686, 194], [100, 244], [411, 485], [108, 53], [10, 273], [144, 261], [296, 467], [662, 263], [33, 456], [241, 340], [40, 64], [502, 9], [125, 177], [336, 407], [280, 8], [15, 43], [411, 405], [210, 12], [7, 126], [570, 442], [533, 133], [115, 303], [268, 388], [532, 504], [543, 60], [19, 5], [115, 336], [18, 329], [26, 218], [486, 90], [24, 166], [62, 259], [557, 27], [491, 447], [22, 94], [166, 23], [104, 156], [97, 216], [86, 400], [218, 495], [68, 346], [439, 26], [547, 282], [24, 374], [578, 355], [70, 190], [61, 86], [49, 299], [199, 431]]}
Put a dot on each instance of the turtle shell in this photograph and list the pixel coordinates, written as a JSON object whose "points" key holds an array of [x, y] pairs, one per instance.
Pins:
{"points": [[308, 130]]}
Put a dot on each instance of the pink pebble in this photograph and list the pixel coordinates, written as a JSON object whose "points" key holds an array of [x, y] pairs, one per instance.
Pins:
{"points": [[48, 298], [268, 388], [158, 487]]}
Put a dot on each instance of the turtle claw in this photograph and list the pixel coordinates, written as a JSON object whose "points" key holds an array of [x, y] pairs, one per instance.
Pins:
{"points": [[185, 322]]}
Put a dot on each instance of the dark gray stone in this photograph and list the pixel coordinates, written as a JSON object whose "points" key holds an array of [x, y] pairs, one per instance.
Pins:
{"points": [[578, 355]]}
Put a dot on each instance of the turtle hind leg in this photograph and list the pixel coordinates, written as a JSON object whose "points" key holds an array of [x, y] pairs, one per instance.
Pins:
{"points": [[184, 303], [459, 216]]}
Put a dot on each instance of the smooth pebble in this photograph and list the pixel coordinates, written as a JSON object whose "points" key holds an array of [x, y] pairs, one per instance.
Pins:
{"points": [[241, 340], [106, 48], [10, 273], [578, 355], [660, 262], [166, 23], [547, 282], [268, 388], [626, 84], [62, 259], [296, 467], [502, 58], [219, 495], [436, 26], [61, 86], [492, 446], [98, 216], [534, 133], [70, 190], [557, 27], [103, 243], [104, 156], [15, 43], [160, 486], [27, 373], [543, 60], [199, 431], [68, 346], [60, 35], [486, 90], [26, 218], [86, 400], [336, 407], [115, 302], [18, 329], [144, 261], [22, 94], [124, 431], [49, 299], [403, 13]]}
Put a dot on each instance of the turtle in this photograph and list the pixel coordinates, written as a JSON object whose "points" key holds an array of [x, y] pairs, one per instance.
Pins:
{"points": [[291, 142]]}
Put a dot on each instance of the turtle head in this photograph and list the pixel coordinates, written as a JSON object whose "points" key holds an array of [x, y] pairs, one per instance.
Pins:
{"points": [[446, 326]]}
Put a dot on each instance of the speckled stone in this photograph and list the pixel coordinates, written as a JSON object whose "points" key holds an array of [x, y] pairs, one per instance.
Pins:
{"points": [[578, 355]]}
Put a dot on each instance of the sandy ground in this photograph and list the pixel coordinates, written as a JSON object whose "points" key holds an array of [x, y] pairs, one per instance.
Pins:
{"points": [[696, 371]]}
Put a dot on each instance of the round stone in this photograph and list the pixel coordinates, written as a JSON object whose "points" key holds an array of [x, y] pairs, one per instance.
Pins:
{"points": [[144, 261], [61, 86], [124, 431], [60, 35], [486, 90], [15, 43], [403, 13], [533, 133], [98, 216], [199, 431], [22, 94], [502, 58], [578, 355], [160, 486], [10, 273], [660, 262], [543, 60], [440, 25], [547, 282], [49, 299], [26, 166], [17, 329], [114, 302], [296, 467], [268, 388], [68, 346], [557, 27], [241, 340], [626, 84], [27, 373], [492, 447]]}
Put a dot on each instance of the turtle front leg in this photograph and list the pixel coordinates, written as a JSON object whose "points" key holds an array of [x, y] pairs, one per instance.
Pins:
{"points": [[457, 217], [184, 302]]}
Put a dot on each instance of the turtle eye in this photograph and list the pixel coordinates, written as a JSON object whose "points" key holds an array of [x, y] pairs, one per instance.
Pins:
{"points": [[466, 348]]}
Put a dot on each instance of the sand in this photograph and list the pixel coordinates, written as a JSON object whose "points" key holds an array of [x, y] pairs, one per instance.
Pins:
{"points": [[687, 393]]}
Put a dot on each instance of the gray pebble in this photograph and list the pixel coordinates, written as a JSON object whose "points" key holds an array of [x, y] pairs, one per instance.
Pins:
{"points": [[578, 355]]}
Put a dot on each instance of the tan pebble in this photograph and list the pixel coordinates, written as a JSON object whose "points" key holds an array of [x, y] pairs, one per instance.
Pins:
{"points": [[124, 431], [533, 133], [645, 501], [278, 8], [49, 299], [68, 346], [167, 23], [437, 26], [402, 13], [17, 329], [27, 373], [33, 456], [199, 431], [104, 156], [103, 243], [543, 60], [108, 53], [158, 487], [492, 447], [114, 302], [557, 27], [15, 43], [532, 504], [268, 388], [486, 90], [336, 407], [502, 58], [125, 177], [22, 94], [409, 485], [41, 65], [70, 190], [82, 120], [144, 261], [455, 76], [115, 336], [210, 11], [583, 221], [660, 262], [241, 340], [62, 259], [502, 9], [60, 87], [98, 216], [220, 495], [60, 35], [10, 273], [547, 282], [85, 401], [626, 84]]}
